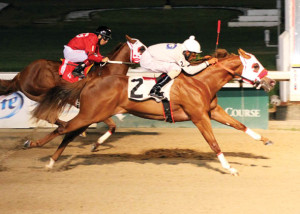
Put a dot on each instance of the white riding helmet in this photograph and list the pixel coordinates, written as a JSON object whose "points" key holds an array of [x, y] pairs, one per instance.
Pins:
{"points": [[192, 45]]}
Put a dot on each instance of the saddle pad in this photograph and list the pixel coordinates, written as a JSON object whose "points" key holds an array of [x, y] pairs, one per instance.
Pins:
{"points": [[139, 88], [66, 68]]}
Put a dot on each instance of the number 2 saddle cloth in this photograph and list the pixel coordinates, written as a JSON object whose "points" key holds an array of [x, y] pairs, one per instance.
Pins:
{"points": [[139, 88]]}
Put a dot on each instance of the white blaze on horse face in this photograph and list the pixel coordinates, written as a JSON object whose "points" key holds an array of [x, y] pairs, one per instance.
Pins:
{"points": [[135, 55], [253, 69]]}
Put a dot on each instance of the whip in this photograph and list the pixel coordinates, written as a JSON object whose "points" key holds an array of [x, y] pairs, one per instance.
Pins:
{"points": [[218, 33], [120, 62]]}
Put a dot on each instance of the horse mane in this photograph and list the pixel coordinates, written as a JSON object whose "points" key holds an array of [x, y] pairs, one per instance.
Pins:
{"points": [[118, 47], [222, 54], [219, 54]]}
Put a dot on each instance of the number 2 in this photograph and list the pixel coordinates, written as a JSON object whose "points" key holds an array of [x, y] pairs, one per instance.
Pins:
{"points": [[134, 89]]}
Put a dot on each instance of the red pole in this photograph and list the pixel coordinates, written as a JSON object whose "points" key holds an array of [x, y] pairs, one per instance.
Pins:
{"points": [[218, 33]]}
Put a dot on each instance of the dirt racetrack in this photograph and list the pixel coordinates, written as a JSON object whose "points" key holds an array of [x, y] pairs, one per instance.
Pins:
{"points": [[150, 171]]}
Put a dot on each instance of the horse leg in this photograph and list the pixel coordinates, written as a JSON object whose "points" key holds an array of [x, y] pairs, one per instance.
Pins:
{"points": [[218, 114], [73, 128], [41, 142], [67, 139], [60, 122], [111, 129], [63, 123], [204, 126]]}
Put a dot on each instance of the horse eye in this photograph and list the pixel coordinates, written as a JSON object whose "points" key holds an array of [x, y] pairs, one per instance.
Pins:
{"points": [[255, 66]]}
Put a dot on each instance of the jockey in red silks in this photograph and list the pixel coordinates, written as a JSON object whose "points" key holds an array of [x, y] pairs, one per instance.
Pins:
{"points": [[170, 59], [84, 49]]}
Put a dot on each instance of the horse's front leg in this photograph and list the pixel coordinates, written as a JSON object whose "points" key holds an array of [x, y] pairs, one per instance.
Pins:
{"points": [[204, 126], [218, 114], [111, 129]]}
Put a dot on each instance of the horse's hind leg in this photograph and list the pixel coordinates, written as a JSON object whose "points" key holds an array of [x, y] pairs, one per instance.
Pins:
{"points": [[218, 114], [42, 141], [111, 129], [60, 122], [67, 139]]}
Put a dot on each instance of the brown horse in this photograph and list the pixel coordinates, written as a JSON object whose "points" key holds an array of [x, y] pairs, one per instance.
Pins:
{"points": [[192, 98], [42, 75]]}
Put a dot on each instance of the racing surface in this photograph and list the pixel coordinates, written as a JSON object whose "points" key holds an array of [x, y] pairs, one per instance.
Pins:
{"points": [[157, 170]]}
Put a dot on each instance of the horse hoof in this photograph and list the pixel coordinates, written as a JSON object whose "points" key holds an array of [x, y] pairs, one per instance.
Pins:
{"points": [[234, 172], [83, 134], [26, 145], [94, 147], [269, 143], [50, 165]]}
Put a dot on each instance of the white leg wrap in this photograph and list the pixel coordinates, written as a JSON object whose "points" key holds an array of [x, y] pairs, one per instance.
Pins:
{"points": [[51, 164], [223, 161], [104, 137], [253, 134]]}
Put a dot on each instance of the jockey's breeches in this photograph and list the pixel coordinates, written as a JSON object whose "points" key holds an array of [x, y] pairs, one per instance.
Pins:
{"points": [[74, 55], [150, 63]]}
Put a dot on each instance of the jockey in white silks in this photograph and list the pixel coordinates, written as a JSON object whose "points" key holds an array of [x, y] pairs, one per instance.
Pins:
{"points": [[170, 59]]}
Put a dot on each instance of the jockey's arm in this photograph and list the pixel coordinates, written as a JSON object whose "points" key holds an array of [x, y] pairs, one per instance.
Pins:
{"points": [[193, 69], [95, 57]]}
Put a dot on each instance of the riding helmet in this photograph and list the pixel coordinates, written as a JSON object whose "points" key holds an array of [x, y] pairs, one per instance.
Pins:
{"points": [[192, 45], [103, 31]]}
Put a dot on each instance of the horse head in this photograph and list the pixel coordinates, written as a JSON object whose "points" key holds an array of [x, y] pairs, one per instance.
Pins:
{"points": [[254, 72], [137, 48], [124, 54]]}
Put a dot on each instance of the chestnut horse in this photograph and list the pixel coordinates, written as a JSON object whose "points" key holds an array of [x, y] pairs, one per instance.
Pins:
{"points": [[192, 98], [42, 75]]}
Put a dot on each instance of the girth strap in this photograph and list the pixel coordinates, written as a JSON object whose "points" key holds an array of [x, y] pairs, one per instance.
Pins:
{"points": [[167, 111]]}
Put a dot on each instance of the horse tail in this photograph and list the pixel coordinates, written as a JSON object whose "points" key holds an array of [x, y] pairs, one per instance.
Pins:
{"points": [[9, 86], [56, 99]]}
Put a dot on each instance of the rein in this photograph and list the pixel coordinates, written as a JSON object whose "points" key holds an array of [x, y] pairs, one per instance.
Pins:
{"points": [[233, 73]]}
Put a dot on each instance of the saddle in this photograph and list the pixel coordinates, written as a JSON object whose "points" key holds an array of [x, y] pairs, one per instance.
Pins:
{"points": [[66, 68], [139, 88]]}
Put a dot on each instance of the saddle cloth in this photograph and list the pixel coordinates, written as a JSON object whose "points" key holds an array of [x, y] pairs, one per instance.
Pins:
{"points": [[139, 88], [66, 68]]}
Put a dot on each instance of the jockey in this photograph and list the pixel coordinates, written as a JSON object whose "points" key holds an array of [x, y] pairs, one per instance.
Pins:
{"points": [[84, 49], [171, 58]]}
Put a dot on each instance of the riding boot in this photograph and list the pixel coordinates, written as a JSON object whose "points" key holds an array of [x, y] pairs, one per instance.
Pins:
{"points": [[161, 82], [78, 71]]}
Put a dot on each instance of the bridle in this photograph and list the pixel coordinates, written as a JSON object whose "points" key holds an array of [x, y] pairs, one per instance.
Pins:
{"points": [[134, 55], [233, 73]]}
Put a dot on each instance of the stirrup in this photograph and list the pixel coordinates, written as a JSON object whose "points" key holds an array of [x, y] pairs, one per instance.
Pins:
{"points": [[78, 74], [159, 95]]}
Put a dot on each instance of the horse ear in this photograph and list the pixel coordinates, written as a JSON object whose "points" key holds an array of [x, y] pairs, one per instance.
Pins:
{"points": [[243, 53], [129, 39]]}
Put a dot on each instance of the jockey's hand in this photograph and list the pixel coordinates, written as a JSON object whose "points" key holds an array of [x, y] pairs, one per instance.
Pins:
{"points": [[105, 59], [212, 61], [207, 57]]}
